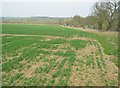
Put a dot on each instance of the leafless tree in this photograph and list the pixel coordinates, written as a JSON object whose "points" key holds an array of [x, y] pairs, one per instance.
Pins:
{"points": [[106, 12]]}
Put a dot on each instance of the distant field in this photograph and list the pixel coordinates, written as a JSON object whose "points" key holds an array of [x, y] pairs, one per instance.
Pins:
{"points": [[57, 56]]}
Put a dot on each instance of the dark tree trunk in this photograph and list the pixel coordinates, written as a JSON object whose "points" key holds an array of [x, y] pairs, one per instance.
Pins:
{"points": [[109, 25], [99, 25]]}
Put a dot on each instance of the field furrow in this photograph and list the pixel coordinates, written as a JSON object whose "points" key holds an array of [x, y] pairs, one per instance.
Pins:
{"points": [[46, 60]]}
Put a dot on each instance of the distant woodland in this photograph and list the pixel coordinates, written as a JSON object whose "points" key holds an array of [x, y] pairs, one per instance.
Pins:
{"points": [[105, 16]]}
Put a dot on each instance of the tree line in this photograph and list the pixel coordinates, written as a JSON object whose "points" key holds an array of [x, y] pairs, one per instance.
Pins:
{"points": [[105, 16]]}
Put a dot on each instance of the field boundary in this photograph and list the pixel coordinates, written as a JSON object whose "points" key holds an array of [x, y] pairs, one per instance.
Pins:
{"points": [[28, 35]]}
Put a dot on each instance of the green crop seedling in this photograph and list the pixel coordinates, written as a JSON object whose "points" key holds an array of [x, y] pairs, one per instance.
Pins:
{"points": [[52, 55]]}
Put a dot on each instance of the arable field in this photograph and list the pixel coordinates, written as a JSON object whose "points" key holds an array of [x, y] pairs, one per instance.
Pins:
{"points": [[51, 55]]}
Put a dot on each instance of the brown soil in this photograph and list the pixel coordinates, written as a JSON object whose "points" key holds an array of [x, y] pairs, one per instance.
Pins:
{"points": [[85, 75], [28, 72]]}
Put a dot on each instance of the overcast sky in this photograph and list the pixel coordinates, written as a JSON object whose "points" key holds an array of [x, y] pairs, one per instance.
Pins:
{"points": [[52, 9]]}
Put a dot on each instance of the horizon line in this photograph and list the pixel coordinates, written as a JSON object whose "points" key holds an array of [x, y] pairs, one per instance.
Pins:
{"points": [[46, 16]]}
